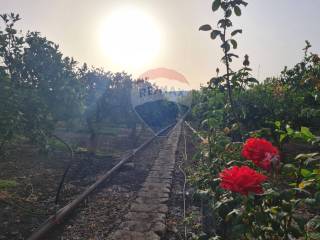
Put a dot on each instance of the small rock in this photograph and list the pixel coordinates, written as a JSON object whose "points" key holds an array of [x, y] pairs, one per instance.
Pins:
{"points": [[14, 233]]}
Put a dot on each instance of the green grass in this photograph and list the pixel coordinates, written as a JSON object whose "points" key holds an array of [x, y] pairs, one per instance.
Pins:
{"points": [[55, 144], [104, 130], [4, 184]]}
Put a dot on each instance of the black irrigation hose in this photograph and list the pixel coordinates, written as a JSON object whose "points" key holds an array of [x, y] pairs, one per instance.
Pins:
{"points": [[63, 212], [66, 170]]}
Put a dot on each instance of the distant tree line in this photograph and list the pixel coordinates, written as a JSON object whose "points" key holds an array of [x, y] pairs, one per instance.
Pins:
{"points": [[40, 88]]}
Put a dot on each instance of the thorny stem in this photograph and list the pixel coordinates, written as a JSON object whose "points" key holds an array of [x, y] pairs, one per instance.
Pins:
{"points": [[227, 67], [210, 142], [229, 89], [262, 211], [288, 224], [299, 178]]}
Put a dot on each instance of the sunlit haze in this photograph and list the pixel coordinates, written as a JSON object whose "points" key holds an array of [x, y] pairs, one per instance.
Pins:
{"points": [[138, 35], [130, 38]]}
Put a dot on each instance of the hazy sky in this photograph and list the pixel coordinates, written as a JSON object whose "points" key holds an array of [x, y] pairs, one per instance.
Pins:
{"points": [[274, 32]]}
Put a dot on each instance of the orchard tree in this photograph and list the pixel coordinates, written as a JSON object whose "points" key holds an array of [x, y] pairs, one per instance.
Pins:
{"points": [[39, 87]]}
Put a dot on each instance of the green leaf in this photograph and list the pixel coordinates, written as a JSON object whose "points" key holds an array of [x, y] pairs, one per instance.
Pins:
{"points": [[289, 167], [215, 5], [289, 130], [305, 172], [226, 46], [282, 137], [310, 201], [244, 3], [314, 235], [214, 34], [204, 122], [313, 159], [205, 27], [228, 13], [306, 132], [236, 31], [235, 211], [304, 156], [237, 11], [305, 184], [313, 224], [224, 23], [234, 43]]}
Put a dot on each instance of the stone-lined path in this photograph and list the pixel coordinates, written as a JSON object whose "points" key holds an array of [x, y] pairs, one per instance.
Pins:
{"points": [[146, 217]]}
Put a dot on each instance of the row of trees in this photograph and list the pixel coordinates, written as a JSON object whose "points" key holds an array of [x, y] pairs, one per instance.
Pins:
{"points": [[40, 88]]}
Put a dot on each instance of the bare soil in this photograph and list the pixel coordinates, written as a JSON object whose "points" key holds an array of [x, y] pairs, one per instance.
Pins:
{"points": [[105, 209], [25, 206]]}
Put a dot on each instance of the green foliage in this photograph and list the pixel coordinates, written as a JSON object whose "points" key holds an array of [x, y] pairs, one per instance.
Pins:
{"points": [[233, 80], [215, 5], [260, 105], [106, 101], [5, 184], [40, 89], [284, 109], [272, 215]]}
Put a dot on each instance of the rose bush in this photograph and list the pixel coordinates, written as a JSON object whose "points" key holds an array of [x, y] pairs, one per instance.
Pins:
{"points": [[261, 152], [232, 108], [243, 180]]}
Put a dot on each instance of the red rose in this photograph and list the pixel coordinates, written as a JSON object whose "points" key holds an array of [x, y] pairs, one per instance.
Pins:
{"points": [[261, 152], [243, 180]]}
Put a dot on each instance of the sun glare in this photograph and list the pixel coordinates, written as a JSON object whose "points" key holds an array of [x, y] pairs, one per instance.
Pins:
{"points": [[130, 38]]}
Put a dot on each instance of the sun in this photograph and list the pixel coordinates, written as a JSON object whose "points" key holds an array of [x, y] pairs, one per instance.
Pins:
{"points": [[130, 38]]}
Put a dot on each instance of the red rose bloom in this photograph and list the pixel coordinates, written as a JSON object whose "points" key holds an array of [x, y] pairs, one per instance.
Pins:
{"points": [[261, 152], [243, 180]]}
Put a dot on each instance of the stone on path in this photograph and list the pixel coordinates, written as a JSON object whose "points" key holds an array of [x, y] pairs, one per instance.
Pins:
{"points": [[146, 217]]}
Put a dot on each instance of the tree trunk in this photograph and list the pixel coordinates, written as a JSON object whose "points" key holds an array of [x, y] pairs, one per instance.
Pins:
{"points": [[92, 146]]}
